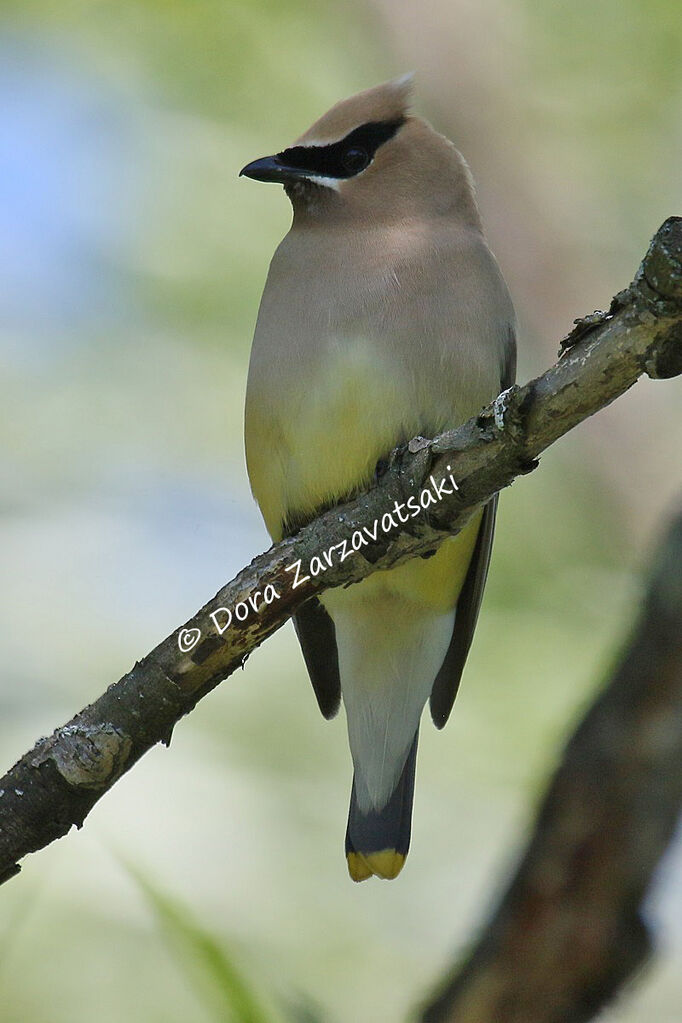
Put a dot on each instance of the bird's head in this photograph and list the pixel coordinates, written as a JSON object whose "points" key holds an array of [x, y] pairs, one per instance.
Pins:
{"points": [[369, 157]]}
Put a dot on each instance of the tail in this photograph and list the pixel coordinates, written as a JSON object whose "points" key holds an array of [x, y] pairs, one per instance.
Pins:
{"points": [[377, 842]]}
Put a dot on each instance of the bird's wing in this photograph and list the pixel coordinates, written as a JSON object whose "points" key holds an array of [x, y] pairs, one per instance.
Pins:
{"points": [[469, 602], [468, 605], [317, 636]]}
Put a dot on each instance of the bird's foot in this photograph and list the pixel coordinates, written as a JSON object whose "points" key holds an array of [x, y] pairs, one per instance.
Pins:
{"points": [[380, 469]]}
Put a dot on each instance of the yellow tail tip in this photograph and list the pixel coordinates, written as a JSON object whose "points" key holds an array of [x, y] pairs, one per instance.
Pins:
{"points": [[386, 864], [357, 868]]}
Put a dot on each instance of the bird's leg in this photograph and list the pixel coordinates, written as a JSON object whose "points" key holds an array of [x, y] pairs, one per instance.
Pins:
{"points": [[386, 462]]}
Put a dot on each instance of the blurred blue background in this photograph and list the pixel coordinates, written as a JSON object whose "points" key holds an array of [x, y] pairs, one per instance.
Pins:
{"points": [[132, 265]]}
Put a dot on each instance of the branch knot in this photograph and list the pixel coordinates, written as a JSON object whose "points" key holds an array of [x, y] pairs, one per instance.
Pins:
{"points": [[86, 756]]}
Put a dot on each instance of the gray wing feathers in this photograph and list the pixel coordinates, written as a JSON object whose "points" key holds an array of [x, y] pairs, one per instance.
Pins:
{"points": [[468, 605], [317, 636]]}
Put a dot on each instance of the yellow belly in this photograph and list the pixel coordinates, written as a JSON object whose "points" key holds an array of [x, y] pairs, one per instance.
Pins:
{"points": [[431, 584], [319, 437], [322, 435]]}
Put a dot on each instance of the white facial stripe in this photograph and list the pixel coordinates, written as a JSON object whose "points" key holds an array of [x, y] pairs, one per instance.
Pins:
{"points": [[325, 182]]}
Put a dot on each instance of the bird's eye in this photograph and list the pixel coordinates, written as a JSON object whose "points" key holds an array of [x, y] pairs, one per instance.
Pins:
{"points": [[355, 159]]}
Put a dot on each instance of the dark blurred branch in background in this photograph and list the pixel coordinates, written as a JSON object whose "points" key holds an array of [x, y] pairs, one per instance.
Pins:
{"points": [[569, 931], [58, 782]]}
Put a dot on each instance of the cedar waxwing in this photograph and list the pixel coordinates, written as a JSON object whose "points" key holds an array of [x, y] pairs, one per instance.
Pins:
{"points": [[384, 317]]}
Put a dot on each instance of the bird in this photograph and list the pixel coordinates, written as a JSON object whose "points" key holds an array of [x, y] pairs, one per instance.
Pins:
{"points": [[384, 317]]}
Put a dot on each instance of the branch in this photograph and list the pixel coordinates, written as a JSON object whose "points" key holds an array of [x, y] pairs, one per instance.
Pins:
{"points": [[58, 782], [568, 932]]}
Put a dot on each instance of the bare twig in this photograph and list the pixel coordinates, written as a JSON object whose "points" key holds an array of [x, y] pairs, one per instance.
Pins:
{"points": [[568, 932], [57, 783]]}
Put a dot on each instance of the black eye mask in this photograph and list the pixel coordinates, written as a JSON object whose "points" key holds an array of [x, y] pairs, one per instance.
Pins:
{"points": [[343, 159]]}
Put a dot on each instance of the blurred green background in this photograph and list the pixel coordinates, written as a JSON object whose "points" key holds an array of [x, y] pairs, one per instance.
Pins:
{"points": [[132, 264]]}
